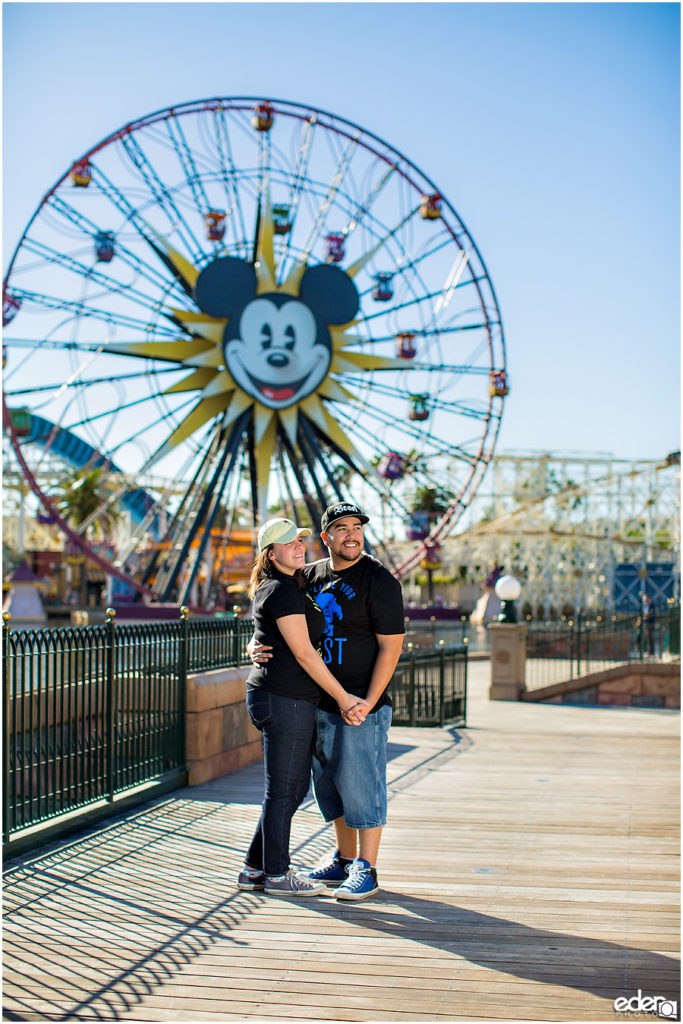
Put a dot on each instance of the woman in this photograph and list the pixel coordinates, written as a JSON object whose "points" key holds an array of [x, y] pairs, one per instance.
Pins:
{"points": [[282, 696]]}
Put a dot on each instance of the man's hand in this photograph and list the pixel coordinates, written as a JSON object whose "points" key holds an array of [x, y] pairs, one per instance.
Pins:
{"points": [[258, 652]]}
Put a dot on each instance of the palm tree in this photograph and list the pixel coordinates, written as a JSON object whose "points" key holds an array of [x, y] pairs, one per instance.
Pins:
{"points": [[82, 499], [431, 499]]}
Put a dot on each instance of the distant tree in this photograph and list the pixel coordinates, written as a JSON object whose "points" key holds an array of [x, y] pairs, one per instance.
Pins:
{"points": [[432, 500], [83, 494]]}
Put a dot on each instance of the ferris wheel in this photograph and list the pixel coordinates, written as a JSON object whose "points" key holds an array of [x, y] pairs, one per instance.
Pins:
{"points": [[263, 304]]}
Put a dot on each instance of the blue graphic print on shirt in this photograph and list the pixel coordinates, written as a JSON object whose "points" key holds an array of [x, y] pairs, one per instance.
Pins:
{"points": [[330, 608], [332, 646]]}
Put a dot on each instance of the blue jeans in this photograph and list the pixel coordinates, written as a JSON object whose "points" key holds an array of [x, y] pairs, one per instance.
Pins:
{"points": [[288, 728], [350, 768]]}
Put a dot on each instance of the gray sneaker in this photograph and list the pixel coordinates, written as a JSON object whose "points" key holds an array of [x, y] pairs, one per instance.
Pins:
{"points": [[292, 884], [250, 879]]}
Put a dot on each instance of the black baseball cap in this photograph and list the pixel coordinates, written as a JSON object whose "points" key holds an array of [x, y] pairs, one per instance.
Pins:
{"points": [[340, 511]]}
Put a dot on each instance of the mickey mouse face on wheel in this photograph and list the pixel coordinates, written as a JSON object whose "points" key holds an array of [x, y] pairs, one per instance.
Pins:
{"points": [[277, 347]]}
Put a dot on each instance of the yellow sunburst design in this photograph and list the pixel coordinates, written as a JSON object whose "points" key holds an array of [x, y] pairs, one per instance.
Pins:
{"points": [[218, 393]]}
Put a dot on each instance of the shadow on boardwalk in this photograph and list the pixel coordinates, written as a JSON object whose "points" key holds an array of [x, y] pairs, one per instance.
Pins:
{"points": [[94, 926]]}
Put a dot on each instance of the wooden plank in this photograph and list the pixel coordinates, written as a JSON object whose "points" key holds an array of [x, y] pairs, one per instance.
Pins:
{"points": [[529, 872]]}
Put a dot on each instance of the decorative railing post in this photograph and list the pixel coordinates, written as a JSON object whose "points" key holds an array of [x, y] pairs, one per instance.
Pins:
{"points": [[6, 754], [411, 684], [236, 641], [184, 654], [578, 643], [442, 684], [110, 702], [466, 650]]}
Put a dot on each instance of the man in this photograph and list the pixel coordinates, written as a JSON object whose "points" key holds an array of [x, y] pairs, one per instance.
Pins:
{"points": [[361, 645]]}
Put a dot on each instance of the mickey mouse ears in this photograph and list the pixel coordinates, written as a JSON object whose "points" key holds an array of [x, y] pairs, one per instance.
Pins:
{"points": [[227, 284], [331, 293]]}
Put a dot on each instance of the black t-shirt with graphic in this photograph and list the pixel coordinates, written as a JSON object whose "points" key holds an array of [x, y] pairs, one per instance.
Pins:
{"points": [[357, 603], [283, 674]]}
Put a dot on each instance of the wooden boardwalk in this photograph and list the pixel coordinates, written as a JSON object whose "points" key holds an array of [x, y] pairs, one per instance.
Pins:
{"points": [[529, 872]]}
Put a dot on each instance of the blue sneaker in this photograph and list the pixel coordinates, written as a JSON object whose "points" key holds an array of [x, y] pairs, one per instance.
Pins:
{"points": [[332, 871], [360, 883]]}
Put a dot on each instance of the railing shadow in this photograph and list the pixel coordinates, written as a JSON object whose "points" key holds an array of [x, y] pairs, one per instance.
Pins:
{"points": [[95, 925]]}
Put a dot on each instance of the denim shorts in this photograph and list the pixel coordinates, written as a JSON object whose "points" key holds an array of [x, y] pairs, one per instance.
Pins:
{"points": [[350, 768]]}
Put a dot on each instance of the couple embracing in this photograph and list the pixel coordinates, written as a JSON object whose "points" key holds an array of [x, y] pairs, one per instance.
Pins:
{"points": [[327, 639]]}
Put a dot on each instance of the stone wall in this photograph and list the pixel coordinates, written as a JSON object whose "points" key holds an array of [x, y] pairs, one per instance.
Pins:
{"points": [[220, 737], [640, 684]]}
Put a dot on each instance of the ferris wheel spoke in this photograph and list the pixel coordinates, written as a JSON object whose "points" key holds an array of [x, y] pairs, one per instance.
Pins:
{"points": [[300, 173], [139, 438], [313, 443], [287, 500], [317, 443], [435, 404], [84, 382], [207, 514], [199, 502], [417, 301], [184, 153], [229, 175], [436, 446], [398, 306], [97, 276], [310, 458], [84, 225], [333, 188], [263, 178], [80, 309], [385, 238], [409, 266], [295, 461], [116, 410], [364, 208], [296, 191], [160, 509], [144, 231], [160, 194]]}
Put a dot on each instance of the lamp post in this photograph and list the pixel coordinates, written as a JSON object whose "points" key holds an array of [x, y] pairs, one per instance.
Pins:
{"points": [[508, 644], [508, 590]]}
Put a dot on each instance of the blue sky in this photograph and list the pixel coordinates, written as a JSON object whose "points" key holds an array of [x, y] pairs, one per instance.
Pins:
{"points": [[553, 129]]}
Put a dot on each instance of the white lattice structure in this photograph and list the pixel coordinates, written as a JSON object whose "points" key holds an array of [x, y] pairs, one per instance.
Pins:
{"points": [[563, 523]]}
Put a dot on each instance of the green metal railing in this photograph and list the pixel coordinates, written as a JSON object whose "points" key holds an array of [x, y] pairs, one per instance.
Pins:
{"points": [[218, 643], [430, 687], [94, 716], [90, 714], [567, 650]]}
